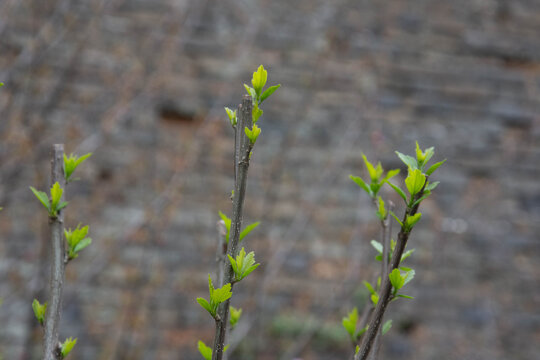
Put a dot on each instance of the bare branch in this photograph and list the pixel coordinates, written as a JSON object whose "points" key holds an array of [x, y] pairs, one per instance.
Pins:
{"points": [[244, 148], [221, 251], [52, 319], [386, 234]]}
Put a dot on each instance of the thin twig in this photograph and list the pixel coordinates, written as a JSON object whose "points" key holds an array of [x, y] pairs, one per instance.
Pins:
{"points": [[52, 319], [386, 234], [221, 251], [244, 120]]}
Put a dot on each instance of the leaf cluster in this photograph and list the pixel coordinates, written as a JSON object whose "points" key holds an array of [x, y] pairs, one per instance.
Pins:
{"points": [[258, 95], [350, 323], [253, 134], [77, 240], [53, 205], [67, 346], [243, 265], [377, 178], [39, 310], [235, 315], [243, 234], [373, 291], [258, 81], [378, 246], [217, 296], [398, 280], [71, 163], [417, 176]]}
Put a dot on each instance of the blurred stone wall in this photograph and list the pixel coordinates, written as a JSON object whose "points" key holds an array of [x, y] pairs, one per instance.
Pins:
{"points": [[142, 84]]}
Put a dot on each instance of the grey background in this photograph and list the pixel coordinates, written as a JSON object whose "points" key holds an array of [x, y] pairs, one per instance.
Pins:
{"points": [[142, 84]]}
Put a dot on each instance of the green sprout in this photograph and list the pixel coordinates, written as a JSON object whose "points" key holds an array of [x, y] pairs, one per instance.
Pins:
{"points": [[39, 310], [71, 163], [232, 116], [399, 280], [235, 316], [417, 178], [243, 265], [67, 346], [243, 234], [53, 204], [259, 81], [217, 296], [77, 240], [377, 179], [253, 134]]}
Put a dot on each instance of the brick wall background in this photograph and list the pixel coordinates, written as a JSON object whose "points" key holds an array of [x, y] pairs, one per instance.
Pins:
{"points": [[142, 84]]}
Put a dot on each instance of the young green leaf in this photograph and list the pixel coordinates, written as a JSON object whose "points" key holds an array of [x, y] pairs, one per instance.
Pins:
{"points": [[253, 134], [390, 174], [360, 333], [398, 190], [217, 296], [82, 244], [243, 265], [386, 327], [396, 279], [375, 187], [409, 275], [423, 157], [269, 92], [369, 287], [67, 346], [408, 160], [251, 91], [206, 305], [205, 351], [248, 229], [259, 80], [404, 296], [232, 116], [77, 240], [411, 221], [39, 310], [381, 212], [415, 181], [235, 316], [407, 254], [430, 186], [256, 113], [349, 323], [42, 197], [61, 206], [374, 172], [362, 184], [434, 167], [377, 245], [222, 294], [425, 195], [375, 299], [56, 195], [395, 217], [71, 163]]}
